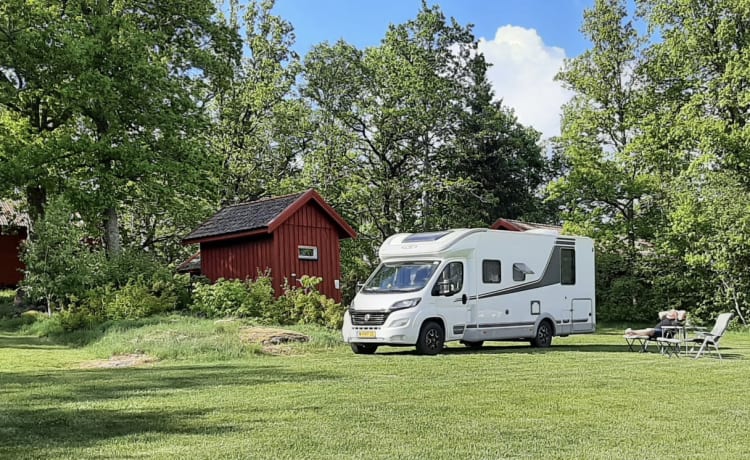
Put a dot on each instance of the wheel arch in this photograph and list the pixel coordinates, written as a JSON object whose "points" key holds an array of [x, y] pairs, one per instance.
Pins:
{"points": [[436, 319], [546, 317]]}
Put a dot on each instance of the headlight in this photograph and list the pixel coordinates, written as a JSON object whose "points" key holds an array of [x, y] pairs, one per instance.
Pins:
{"points": [[402, 304]]}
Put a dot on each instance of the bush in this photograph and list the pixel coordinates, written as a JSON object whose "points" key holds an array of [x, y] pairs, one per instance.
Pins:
{"points": [[306, 305], [233, 298], [7, 309], [135, 301]]}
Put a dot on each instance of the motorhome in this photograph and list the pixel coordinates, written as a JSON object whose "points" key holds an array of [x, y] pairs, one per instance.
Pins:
{"points": [[473, 286]]}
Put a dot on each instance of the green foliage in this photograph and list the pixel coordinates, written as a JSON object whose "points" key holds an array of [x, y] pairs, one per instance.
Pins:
{"points": [[305, 305], [105, 103], [59, 266], [255, 299], [710, 229], [7, 309], [262, 125], [227, 298], [407, 137]]}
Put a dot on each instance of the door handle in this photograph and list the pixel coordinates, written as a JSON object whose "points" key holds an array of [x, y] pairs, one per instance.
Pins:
{"points": [[464, 299]]}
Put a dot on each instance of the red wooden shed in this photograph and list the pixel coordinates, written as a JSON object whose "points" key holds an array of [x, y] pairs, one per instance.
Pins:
{"points": [[292, 235], [13, 231]]}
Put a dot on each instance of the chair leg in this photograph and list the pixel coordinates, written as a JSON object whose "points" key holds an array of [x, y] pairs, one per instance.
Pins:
{"points": [[702, 349], [716, 347]]}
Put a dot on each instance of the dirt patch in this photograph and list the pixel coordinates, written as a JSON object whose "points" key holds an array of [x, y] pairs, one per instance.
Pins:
{"points": [[274, 341], [132, 360]]}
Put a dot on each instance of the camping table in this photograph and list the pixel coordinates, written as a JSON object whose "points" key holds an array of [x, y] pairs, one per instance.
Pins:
{"points": [[671, 345]]}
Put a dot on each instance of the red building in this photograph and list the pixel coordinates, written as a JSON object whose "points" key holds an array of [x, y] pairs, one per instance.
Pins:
{"points": [[518, 226], [13, 231], [291, 236]]}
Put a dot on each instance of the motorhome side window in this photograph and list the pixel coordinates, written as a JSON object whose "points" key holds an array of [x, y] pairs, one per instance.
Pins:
{"points": [[490, 271], [452, 276], [520, 270], [568, 269]]}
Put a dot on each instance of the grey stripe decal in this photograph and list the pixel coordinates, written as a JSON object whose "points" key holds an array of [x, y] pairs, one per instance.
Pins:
{"points": [[480, 326], [551, 276]]}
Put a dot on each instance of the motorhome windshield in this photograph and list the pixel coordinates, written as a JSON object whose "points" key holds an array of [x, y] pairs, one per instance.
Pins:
{"points": [[401, 276]]}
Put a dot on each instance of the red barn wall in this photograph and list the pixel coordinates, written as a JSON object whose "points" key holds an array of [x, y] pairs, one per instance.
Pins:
{"points": [[10, 264], [309, 227], [237, 259]]}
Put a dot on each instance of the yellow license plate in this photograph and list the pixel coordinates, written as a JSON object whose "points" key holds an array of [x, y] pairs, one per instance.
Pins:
{"points": [[367, 334]]}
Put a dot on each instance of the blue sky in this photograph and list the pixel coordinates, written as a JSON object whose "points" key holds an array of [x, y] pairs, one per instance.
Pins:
{"points": [[363, 23], [525, 40]]}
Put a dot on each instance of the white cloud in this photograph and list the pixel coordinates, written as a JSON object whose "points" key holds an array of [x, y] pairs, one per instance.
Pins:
{"points": [[522, 75]]}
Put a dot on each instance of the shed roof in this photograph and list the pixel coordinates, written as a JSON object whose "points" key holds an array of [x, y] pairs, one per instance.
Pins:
{"points": [[519, 226], [11, 216], [262, 217]]}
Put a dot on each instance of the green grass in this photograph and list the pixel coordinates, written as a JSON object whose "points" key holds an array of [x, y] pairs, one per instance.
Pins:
{"points": [[586, 397]]}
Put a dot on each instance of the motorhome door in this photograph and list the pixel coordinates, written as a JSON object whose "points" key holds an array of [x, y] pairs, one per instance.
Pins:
{"points": [[450, 297]]}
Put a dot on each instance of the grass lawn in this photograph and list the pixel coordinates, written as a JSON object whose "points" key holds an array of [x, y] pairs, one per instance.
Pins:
{"points": [[585, 397]]}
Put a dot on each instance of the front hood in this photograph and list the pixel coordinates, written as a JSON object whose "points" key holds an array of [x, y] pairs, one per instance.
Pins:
{"points": [[380, 302]]}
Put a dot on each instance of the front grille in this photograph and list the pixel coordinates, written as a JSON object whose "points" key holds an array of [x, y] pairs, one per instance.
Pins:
{"points": [[369, 318]]}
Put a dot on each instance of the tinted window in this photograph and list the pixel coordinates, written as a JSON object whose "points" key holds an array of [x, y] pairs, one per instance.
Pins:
{"points": [[490, 271], [453, 273], [568, 269]]}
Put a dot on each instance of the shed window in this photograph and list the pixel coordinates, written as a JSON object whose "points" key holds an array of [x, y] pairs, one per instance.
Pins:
{"points": [[307, 252]]}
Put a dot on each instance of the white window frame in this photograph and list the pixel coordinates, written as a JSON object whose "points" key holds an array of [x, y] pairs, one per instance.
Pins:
{"points": [[314, 255]]}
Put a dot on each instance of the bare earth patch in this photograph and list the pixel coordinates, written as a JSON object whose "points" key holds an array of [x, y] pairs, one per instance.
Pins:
{"points": [[272, 340], [132, 360]]}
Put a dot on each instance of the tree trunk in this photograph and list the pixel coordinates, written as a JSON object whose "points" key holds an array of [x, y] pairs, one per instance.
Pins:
{"points": [[36, 197], [111, 232]]}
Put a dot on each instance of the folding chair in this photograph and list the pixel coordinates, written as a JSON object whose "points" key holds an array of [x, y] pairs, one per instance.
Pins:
{"points": [[706, 339]]}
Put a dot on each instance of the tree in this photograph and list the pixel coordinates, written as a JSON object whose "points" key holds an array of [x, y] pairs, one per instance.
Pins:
{"points": [[58, 264], [406, 125], [702, 66], [710, 229], [612, 186], [262, 125], [114, 94]]}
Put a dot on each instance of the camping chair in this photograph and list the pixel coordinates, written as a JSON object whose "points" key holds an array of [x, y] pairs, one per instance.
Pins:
{"points": [[712, 338]]}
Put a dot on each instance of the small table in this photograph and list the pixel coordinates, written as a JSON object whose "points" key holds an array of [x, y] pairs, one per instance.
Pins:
{"points": [[672, 339]]}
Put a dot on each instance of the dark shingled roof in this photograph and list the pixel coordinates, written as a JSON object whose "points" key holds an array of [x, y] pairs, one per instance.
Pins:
{"points": [[243, 217], [10, 215]]}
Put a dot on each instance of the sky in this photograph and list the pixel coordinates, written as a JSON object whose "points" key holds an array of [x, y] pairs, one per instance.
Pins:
{"points": [[526, 41]]}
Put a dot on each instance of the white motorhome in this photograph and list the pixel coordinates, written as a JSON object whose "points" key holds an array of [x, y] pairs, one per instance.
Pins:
{"points": [[474, 285]]}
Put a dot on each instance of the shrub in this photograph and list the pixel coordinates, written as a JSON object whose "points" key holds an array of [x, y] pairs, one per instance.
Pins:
{"points": [[135, 301], [305, 305], [233, 298]]}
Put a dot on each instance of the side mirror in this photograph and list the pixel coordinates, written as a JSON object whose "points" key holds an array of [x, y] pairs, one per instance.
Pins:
{"points": [[360, 285], [444, 287]]}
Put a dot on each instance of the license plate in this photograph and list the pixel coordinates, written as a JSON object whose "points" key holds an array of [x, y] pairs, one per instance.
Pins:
{"points": [[367, 334]]}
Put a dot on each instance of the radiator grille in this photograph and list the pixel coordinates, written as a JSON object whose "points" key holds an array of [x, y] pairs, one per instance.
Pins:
{"points": [[369, 318]]}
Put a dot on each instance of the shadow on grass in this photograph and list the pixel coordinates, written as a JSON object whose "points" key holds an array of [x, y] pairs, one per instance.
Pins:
{"points": [[51, 415], [526, 349], [103, 384], [26, 428], [26, 342]]}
